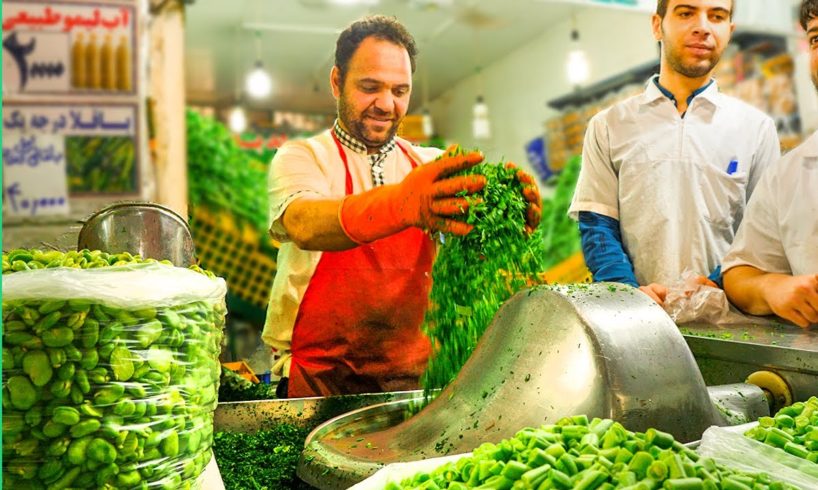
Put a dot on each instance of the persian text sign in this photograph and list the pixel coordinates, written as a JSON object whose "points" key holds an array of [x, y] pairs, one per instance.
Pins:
{"points": [[64, 48]]}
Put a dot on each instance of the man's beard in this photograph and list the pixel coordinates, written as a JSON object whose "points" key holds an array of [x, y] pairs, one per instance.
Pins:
{"points": [[691, 71], [355, 125]]}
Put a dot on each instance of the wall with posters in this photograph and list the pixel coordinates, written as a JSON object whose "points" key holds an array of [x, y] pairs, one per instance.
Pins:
{"points": [[73, 113]]}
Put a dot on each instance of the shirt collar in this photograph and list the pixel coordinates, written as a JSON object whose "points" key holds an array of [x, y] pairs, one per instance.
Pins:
{"points": [[355, 145], [654, 91]]}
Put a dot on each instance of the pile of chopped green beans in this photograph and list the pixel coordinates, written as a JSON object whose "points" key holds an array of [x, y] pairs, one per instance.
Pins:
{"points": [[581, 455], [793, 429], [96, 396], [265, 460], [474, 275], [234, 388]]}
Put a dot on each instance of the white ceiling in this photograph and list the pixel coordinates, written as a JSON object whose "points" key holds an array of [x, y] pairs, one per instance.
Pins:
{"points": [[454, 37]]}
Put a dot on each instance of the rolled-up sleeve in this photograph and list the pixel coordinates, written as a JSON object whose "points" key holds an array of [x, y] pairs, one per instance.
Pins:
{"points": [[294, 173], [597, 189]]}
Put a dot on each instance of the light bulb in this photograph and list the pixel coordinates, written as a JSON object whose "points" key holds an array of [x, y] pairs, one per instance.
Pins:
{"points": [[428, 127], [577, 67], [259, 83], [237, 120], [481, 128]]}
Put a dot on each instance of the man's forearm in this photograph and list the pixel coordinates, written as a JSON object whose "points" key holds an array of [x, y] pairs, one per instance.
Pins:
{"points": [[745, 286], [313, 224]]}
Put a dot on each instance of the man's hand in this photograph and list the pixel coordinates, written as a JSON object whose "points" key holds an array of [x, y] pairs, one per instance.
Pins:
{"points": [[657, 292], [427, 198], [532, 195], [793, 298], [704, 281]]}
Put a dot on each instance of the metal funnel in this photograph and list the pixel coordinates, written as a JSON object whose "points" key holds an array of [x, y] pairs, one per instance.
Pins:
{"points": [[602, 350]]}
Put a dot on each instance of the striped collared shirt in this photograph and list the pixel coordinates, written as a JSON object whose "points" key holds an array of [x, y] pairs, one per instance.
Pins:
{"points": [[376, 160]]}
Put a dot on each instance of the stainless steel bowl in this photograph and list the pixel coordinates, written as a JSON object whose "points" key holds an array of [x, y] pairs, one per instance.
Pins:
{"points": [[144, 228]]}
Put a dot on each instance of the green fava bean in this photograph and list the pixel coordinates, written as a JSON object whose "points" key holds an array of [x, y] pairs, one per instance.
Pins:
{"points": [[50, 471], [109, 395], [145, 313], [90, 359], [17, 338], [61, 389], [50, 306], [34, 416], [90, 411], [79, 305], [53, 429], [66, 371], [76, 320], [170, 444], [47, 321], [86, 427], [81, 377], [66, 415], [77, 397], [122, 363], [98, 375], [148, 333], [58, 337], [125, 408], [89, 335], [72, 353], [101, 451], [160, 359], [12, 425], [56, 356], [106, 474], [77, 450], [128, 479], [21, 392], [66, 480], [171, 319], [106, 350], [38, 368]]}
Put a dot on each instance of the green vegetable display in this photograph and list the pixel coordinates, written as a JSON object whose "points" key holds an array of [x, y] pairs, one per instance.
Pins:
{"points": [[265, 460], [581, 455], [234, 388], [99, 396], [560, 233], [223, 176], [101, 164], [793, 429], [475, 274]]}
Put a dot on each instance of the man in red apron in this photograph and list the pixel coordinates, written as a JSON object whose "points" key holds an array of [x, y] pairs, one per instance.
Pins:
{"points": [[352, 207]]}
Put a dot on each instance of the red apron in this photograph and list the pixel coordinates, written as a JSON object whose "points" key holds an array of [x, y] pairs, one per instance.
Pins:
{"points": [[358, 325]]}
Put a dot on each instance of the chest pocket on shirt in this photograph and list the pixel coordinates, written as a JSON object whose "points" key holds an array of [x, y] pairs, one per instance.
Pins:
{"points": [[723, 195]]}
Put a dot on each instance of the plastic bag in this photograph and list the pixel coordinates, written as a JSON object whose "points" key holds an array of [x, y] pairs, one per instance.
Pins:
{"points": [[396, 472], [690, 301], [731, 448], [110, 376]]}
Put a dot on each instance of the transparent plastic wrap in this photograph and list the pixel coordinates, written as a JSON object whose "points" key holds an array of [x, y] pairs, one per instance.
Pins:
{"points": [[730, 447], [110, 374], [690, 301]]}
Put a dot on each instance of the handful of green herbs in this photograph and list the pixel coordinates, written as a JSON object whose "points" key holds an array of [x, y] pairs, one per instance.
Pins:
{"points": [[475, 274], [234, 388]]}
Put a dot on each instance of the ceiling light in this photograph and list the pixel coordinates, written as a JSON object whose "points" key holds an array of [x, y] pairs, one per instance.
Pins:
{"points": [[428, 126], [577, 67], [481, 128], [259, 84], [237, 120]]}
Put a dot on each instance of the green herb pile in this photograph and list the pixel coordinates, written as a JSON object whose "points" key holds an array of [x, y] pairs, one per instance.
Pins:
{"points": [[265, 460], [475, 274], [234, 388], [582, 455], [794, 429], [560, 233], [98, 396], [221, 175]]}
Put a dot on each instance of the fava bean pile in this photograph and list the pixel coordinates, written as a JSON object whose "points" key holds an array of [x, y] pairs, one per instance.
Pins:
{"points": [[793, 429], [96, 396], [582, 455], [475, 274]]}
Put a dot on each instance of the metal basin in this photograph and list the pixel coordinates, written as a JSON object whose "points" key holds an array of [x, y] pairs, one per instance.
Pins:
{"points": [[143, 228], [600, 350]]}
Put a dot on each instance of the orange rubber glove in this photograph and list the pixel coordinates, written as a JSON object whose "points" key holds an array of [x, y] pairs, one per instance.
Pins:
{"points": [[426, 198], [532, 194]]}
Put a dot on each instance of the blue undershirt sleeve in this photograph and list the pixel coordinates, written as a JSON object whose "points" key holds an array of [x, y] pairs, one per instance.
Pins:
{"points": [[604, 252]]}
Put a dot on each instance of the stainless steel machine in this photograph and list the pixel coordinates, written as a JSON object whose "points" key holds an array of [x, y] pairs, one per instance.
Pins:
{"points": [[601, 350]]}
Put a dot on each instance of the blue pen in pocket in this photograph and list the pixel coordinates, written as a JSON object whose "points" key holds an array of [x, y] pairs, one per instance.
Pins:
{"points": [[732, 167]]}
